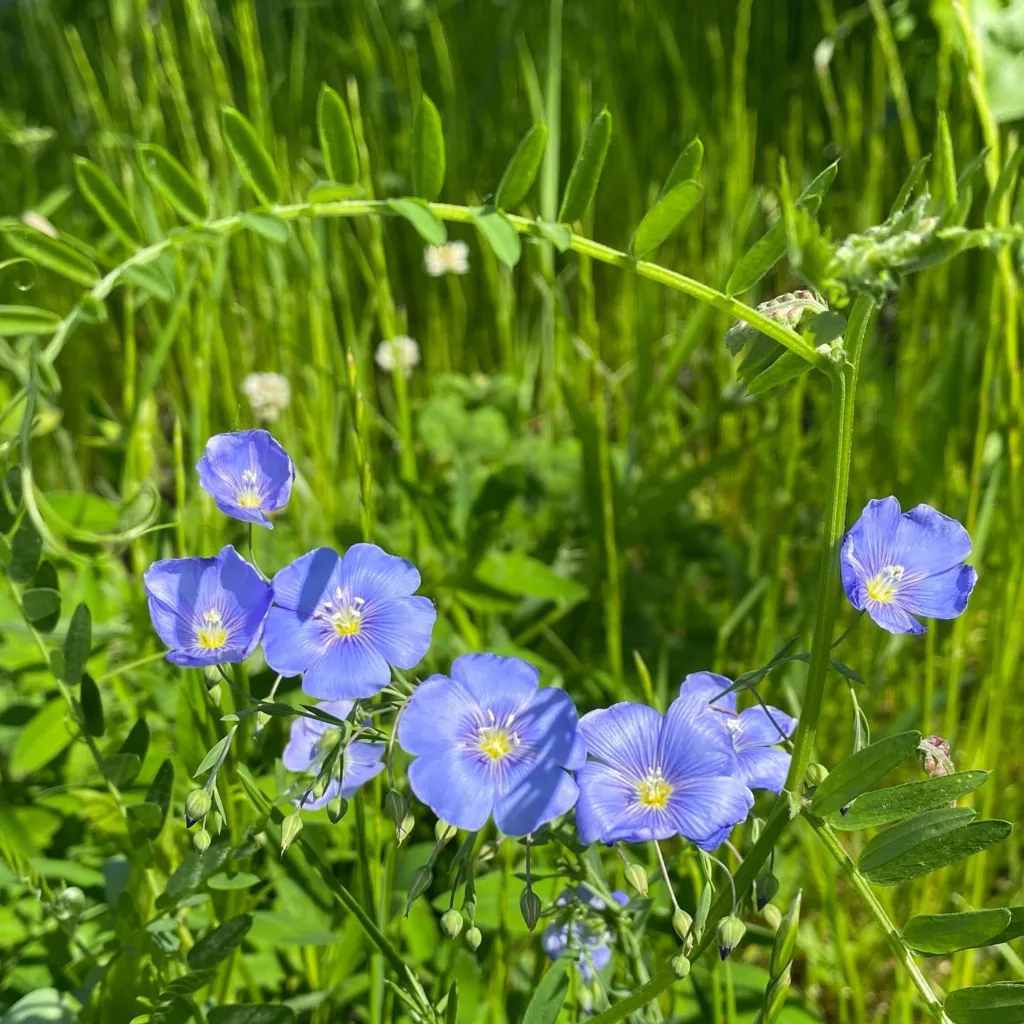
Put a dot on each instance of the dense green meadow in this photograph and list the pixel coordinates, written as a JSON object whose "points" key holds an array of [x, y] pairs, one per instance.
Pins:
{"points": [[572, 464]]}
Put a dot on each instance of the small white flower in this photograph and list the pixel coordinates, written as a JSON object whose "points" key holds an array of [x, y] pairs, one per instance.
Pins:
{"points": [[268, 394], [451, 258], [36, 220], [402, 352]]}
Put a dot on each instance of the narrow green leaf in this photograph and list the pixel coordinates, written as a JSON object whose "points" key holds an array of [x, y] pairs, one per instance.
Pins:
{"points": [[219, 943], [214, 753], [894, 803], [522, 169], [42, 607], [428, 160], [516, 572], [18, 320], [26, 547], [337, 142], [686, 167], [908, 186], [1002, 1002], [664, 217], [41, 740], [500, 234], [121, 769], [559, 235], [103, 196], [92, 707], [77, 643], [546, 1002], [137, 740], [787, 367], [53, 254], [225, 882], [251, 157], [173, 182], [430, 228], [586, 171], [145, 817], [273, 229], [945, 164], [905, 835], [936, 934], [252, 1013], [862, 770], [151, 278], [1015, 929], [161, 790], [333, 192], [768, 249], [1006, 181]]}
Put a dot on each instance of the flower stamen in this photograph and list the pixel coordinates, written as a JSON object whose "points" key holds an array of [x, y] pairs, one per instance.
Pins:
{"points": [[496, 742], [343, 612], [212, 636], [884, 586], [249, 496], [653, 790]]}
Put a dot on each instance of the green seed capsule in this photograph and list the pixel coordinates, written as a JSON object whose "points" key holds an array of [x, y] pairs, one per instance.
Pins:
{"points": [[451, 923], [197, 806], [682, 922], [637, 877], [290, 828], [529, 906], [816, 774], [680, 966], [201, 840], [336, 808], [730, 932], [474, 938], [404, 829], [766, 885]]}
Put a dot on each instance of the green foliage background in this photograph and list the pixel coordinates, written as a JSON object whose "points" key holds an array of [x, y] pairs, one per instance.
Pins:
{"points": [[572, 466]]}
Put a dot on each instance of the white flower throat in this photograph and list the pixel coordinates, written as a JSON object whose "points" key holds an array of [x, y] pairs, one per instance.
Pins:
{"points": [[248, 495], [884, 586], [343, 611]]}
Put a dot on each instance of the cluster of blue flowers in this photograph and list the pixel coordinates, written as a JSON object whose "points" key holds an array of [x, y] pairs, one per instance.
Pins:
{"points": [[487, 743]]}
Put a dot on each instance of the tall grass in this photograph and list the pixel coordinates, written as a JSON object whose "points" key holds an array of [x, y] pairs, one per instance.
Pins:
{"points": [[564, 410]]}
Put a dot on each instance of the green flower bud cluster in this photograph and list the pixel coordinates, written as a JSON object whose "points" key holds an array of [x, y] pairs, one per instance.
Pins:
{"points": [[780, 966], [788, 309]]}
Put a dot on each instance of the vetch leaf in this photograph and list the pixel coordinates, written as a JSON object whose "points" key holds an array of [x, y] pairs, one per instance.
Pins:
{"points": [[92, 707], [1002, 1002], [547, 999], [41, 740], [250, 156], [18, 320], [151, 278], [273, 229], [936, 934], [42, 607], [787, 367], [104, 197], [173, 182], [881, 806], [862, 770], [664, 217], [522, 169], [226, 882], [904, 835], [500, 234], [586, 171], [77, 643], [26, 547], [214, 753], [54, 254], [430, 228], [137, 740], [161, 790], [1015, 929], [333, 192], [121, 769], [686, 167], [337, 142], [219, 943], [768, 249], [559, 235], [428, 160]]}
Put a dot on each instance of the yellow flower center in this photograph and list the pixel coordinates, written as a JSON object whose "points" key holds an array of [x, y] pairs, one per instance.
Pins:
{"points": [[496, 742], [212, 636], [884, 586], [343, 612], [249, 495], [653, 791]]}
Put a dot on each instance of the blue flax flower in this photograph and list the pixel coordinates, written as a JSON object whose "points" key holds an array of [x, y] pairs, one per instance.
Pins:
{"points": [[753, 733], [209, 611], [341, 622], [487, 742], [590, 939], [897, 566], [654, 776], [311, 740], [248, 474]]}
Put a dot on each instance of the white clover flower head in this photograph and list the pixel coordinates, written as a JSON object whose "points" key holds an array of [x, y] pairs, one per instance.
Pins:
{"points": [[450, 258], [402, 352], [32, 219], [268, 394]]}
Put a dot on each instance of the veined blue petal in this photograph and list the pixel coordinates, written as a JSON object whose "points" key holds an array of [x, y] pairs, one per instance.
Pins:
{"points": [[757, 727], [943, 596], [247, 473], [399, 628], [693, 743], [348, 667], [707, 686], [536, 797], [928, 542], [893, 618], [624, 736], [701, 807], [440, 713], [371, 573], [454, 787], [764, 768], [501, 684]]}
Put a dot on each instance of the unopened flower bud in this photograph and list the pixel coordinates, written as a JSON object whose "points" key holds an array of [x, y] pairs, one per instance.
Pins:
{"points": [[320, 786], [197, 806], [70, 903], [395, 806], [680, 966], [404, 829], [730, 931], [474, 938], [201, 841], [816, 774], [262, 718], [336, 808], [215, 693], [443, 832], [775, 996], [637, 877], [451, 923], [529, 905], [766, 885], [290, 828], [936, 758], [772, 916], [682, 922], [785, 937]]}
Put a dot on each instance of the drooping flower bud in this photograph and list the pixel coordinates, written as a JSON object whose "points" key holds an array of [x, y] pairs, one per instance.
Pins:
{"points": [[197, 806], [262, 718], [451, 923], [529, 905], [290, 828], [730, 931], [404, 829], [336, 808], [766, 885], [474, 938], [682, 922], [443, 832], [637, 877], [680, 966], [816, 774], [936, 758], [70, 903], [201, 841], [395, 806], [772, 916]]}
